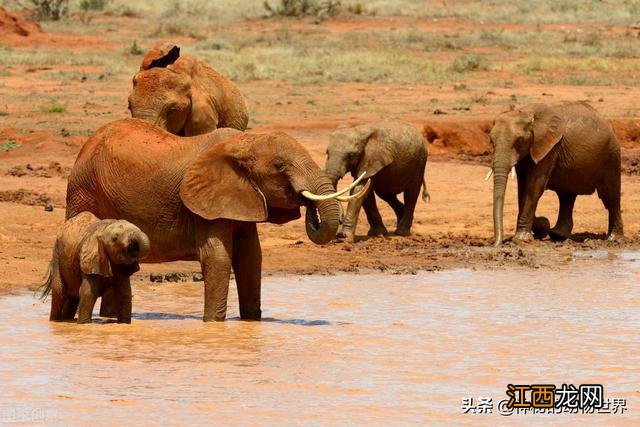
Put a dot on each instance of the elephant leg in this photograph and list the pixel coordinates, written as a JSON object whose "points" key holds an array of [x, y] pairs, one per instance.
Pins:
{"points": [[609, 193], [247, 266], [108, 304], [535, 185], [122, 294], [376, 226], [69, 308], [540, 226], [397, 206], [90, 289], [58, 297], [410, 199], [562, 230], [215, 248], [350, 219]]}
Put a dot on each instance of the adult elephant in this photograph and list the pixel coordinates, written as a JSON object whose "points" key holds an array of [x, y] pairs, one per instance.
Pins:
{"points": [[568, 148], [184, 95], [393, 156], [201, 197]]}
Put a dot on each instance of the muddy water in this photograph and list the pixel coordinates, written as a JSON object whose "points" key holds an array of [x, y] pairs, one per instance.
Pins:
{"points": [[342, 349]]}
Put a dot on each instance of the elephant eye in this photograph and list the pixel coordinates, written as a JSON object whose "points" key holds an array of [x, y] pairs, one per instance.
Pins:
{"points": [[278, 164]]}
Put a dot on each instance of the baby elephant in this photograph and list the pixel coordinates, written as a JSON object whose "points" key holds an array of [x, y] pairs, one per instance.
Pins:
{"points": [[89, 257], [392, 153]]}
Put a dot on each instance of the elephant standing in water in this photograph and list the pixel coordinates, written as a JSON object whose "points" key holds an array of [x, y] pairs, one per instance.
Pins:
{"points": [[568, 148], [91, 256], [393, 155], [201, 197], [183, 95]]}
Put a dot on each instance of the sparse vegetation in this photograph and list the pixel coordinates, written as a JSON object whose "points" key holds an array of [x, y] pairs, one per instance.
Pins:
{"points": [[53, 107], [9, 145], [87, 5], [299, 8], [51, 9], [134, 49], [466, 63]]}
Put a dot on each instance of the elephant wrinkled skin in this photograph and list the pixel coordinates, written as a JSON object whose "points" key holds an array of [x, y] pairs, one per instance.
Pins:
{"points": [[567, 148], [200, 197], [90, 257], [394, 157], [183, 95]]}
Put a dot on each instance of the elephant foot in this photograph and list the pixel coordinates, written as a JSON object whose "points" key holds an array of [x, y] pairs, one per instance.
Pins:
{"points": [[403, 231], [126, 320], [523, 236], [615, 237], [378, 231], [559, 235], [347, 235], [540, 227], [250, 314], [214, 319]]}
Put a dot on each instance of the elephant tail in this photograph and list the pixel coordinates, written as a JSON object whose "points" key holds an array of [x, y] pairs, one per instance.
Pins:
{"points": [[45, 288], [426, 197]]}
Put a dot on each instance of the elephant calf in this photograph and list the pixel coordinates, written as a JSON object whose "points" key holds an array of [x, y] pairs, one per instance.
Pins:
{"points": [[568, 148], [91, 256], [393, 155]]}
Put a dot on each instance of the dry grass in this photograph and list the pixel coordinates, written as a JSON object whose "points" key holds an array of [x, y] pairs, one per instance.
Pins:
{"points": [[403, 55]]}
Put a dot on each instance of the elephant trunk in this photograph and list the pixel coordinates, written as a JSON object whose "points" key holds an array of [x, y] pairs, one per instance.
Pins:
{"points": [[323, 216], [500, 174], [139, 245]]}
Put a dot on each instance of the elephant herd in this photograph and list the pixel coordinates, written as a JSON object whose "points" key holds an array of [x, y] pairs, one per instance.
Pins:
{"points": [[183, 180]]}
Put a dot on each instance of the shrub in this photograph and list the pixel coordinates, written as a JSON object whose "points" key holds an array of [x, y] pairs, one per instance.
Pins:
{"points": [[134, 49], [51, 9], [464, 63], [87, 5], [53, 107], [300, 8]]}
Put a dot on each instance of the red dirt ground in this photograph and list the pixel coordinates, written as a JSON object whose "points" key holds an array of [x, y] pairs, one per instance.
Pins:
{"points": [[453, 230]]}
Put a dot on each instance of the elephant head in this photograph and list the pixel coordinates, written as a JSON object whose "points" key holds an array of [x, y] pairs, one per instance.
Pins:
{"points": [[260, 178], [532, 131], [358, 149], [184, 95], [112, 243]]}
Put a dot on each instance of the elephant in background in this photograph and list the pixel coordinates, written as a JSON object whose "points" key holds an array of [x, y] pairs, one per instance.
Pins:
{"points": [[392, 155], [183, 95], [201, 197], [568, 148], [91, 256]]}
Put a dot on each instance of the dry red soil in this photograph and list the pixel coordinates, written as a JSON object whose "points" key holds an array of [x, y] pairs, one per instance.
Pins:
{"points": [[454, 230]]}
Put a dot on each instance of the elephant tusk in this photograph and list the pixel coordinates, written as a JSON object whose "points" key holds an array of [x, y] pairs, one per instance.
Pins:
{"points": [[316, 197], [359, 194], [513, 172], [486, 178]]}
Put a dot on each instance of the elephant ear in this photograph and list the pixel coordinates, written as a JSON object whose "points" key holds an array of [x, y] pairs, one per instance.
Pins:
{"points": [[218, 185], [547, 132], [93, 256], [160, 56], [203, 117], [377, 154]]}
